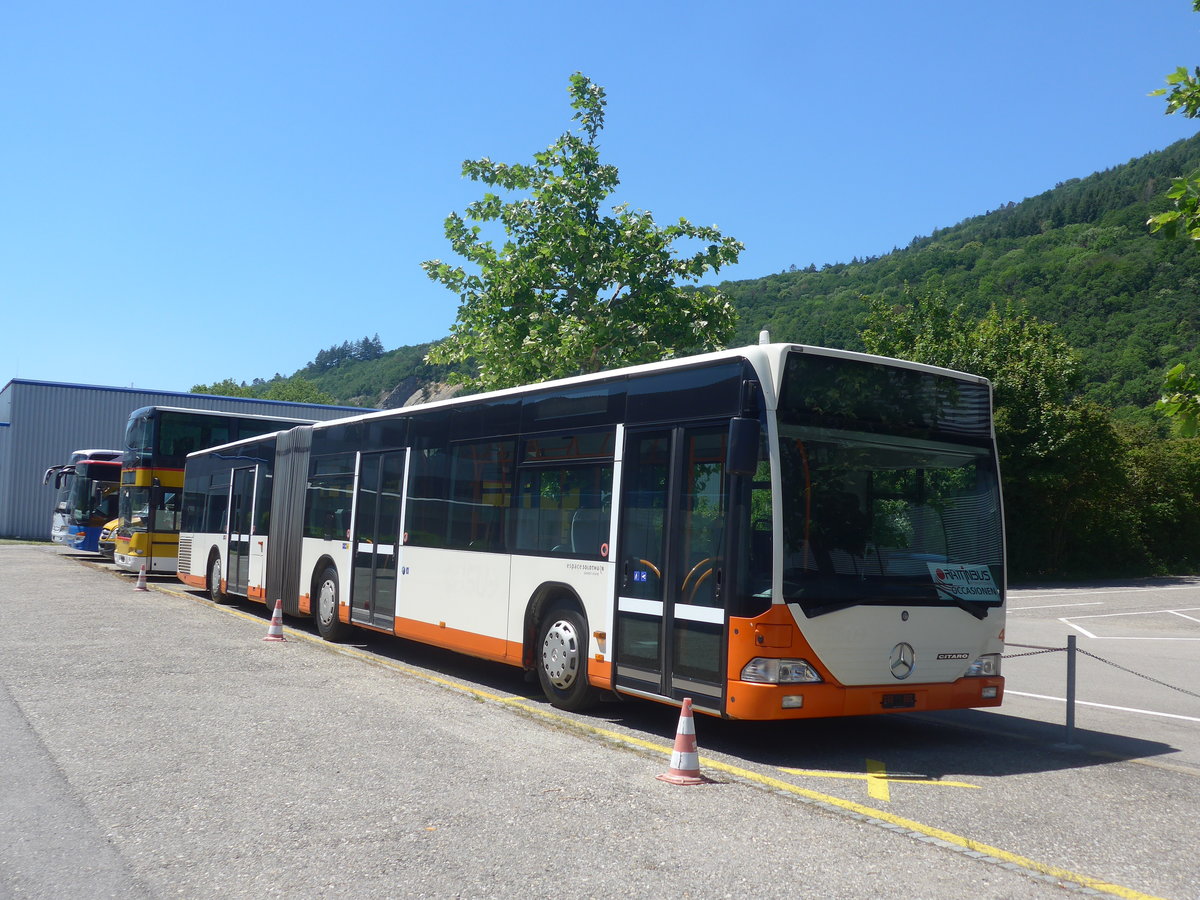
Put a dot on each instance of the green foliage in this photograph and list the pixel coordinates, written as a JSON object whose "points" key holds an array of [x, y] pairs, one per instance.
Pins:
{"points": [[1083, 494], [1183, 96], [571, 289], [294, 390], [1062, 489], [1078, 257], [226, 388], [373, 382], [348, 351], [1181, 399], [1184, 219], [1165, 492]]}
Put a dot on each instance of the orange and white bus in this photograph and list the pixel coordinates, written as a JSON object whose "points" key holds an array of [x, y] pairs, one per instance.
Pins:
{"points": [[157, 442], [776, 531]]}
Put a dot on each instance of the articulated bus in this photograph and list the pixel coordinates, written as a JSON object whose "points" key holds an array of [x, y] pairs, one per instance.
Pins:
{"points": [[86, 488], [778, 531], [157, 442]]}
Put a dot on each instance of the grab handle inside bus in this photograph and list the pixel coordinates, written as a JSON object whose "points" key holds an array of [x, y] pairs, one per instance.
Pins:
{"points": [[741, 457]]}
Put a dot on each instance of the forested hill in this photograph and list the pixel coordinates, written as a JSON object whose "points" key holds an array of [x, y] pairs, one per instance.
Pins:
{"points": [[1079, 256]]}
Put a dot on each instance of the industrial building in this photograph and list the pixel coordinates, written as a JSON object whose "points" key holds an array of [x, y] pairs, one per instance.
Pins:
{"points": [[41, 422]]}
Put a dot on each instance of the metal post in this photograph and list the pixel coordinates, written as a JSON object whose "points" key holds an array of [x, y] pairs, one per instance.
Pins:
{"points": [[1070, 741]]}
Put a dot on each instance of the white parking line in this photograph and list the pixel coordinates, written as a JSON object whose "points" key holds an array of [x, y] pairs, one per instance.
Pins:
{"points": [[1143, 712], [1141, 612], [1105, 637], [1053, 605], [1068, 592], [1070, 622]]}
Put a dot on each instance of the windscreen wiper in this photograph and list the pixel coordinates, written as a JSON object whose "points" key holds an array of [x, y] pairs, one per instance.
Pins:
{"points": [[923, 598], [972, 606], [875, 599]]}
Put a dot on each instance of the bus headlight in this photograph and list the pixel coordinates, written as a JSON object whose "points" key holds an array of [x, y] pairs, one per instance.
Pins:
{"points": [[986, 665], [762, 670]]}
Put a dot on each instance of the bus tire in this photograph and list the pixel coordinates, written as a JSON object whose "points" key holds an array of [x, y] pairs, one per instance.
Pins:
{"points": [[325, 607], [562, 659], [214, 580]]}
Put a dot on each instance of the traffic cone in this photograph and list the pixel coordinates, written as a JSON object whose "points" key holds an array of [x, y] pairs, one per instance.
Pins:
{"points": [[685, 761], [275, 632], [141, 582]]}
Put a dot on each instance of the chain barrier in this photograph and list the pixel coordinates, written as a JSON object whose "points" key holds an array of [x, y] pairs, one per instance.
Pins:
{"points": [[1038, 651], [1138, 674]]}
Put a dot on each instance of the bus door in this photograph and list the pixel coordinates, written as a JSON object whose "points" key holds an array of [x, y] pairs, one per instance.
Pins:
{"points": [[378, 505], [241, 517], [670, 621]]}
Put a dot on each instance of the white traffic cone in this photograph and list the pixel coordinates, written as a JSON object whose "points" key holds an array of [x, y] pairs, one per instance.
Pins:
{"points": [[275, 632], [141, 582], [685, 759]]}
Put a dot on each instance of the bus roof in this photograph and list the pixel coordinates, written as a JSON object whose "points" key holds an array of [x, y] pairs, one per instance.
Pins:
{"points": [[764, 357], [768, 357], [300, 420]]}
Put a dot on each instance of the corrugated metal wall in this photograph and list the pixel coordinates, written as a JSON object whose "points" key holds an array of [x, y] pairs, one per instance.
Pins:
{"points": [[41, 422]]}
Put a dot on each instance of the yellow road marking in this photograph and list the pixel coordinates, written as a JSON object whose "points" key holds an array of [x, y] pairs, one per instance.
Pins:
{"points": [[877, 786], [746, 775], [880, 776]]}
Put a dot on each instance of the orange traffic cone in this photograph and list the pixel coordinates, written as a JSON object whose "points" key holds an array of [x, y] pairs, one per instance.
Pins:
{"points": [[275, 632], [685, 761], [141, 582]]}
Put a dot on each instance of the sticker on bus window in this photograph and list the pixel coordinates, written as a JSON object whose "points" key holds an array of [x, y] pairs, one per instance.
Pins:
{"points": [[964, 582], [640, 576]]}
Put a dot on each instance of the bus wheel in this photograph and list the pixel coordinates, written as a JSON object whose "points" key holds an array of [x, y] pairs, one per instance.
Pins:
{"points": [[562, 659], [214, 580], [326, 609]]}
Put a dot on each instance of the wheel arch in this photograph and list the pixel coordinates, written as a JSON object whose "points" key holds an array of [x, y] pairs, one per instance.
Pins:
{"points": [[325, 561], [549, 595]]}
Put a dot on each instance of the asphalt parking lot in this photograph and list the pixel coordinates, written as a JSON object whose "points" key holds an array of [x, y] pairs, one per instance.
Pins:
{"points": [[156, 746]]}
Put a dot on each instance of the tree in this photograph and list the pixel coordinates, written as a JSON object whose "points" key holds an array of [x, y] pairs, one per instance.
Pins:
{"points": [[1183, 97], [295, 390], [571, 289], [1061, 459], [226, 388], [1181, 399], [1181, 389]]}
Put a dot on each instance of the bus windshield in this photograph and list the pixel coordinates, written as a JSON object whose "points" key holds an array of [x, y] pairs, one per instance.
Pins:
{"points": [[889, 490], [92, 498]]}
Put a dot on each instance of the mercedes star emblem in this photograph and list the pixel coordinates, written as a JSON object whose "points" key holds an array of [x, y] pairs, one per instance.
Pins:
{"points": [[904, 658]]}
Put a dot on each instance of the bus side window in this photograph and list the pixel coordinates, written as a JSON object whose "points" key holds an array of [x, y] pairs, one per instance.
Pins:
{"points": [[564, 510], [329, 495]]}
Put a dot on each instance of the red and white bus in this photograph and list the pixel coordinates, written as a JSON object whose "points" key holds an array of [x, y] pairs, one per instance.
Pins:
{"points": [[777, 531]]}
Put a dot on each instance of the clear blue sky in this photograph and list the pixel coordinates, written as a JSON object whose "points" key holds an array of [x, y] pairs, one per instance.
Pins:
{"points": [[199, 191]]}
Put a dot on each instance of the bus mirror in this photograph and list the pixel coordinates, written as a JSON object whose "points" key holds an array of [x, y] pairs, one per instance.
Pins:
{"points": [[742, 456]]}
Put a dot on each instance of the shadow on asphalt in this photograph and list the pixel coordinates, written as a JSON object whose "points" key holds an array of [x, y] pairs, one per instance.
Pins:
{"points": [[927, 745]]}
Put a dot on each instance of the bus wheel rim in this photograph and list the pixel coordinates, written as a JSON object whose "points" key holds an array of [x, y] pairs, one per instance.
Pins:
{"points": [[325, 602], [560, 654]]}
